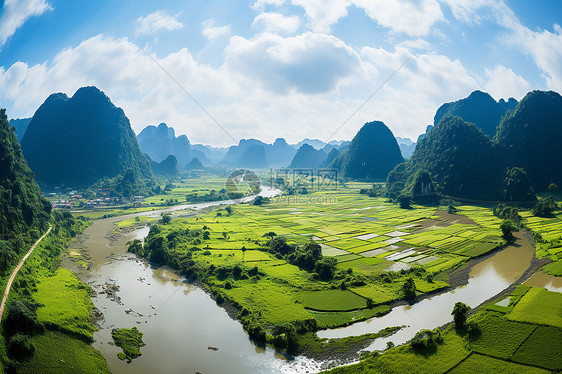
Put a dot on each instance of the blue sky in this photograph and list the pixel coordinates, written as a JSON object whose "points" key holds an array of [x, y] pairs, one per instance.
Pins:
{"points": [[278, 68]]}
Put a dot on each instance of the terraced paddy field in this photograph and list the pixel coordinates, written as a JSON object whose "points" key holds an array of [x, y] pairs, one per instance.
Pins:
{"points": [[507, 341]]}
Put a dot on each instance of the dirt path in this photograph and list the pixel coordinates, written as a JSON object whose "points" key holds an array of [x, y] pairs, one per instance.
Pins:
{"points": [[15, 272]]}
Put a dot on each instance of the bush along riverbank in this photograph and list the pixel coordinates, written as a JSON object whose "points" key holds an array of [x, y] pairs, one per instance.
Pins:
{"points": [[47, 327]]}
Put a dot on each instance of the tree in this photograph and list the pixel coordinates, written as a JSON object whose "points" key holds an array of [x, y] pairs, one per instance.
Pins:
{"points": [[243, 252], [325, 268], [553, 188], [228, 210], [460, 313], [507, 228], [166, 218], [269, 235], [544, 207], [409, 289], [404, 201]]}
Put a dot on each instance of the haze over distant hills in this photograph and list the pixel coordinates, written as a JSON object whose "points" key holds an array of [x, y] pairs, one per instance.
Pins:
{"points": [[308, 157], [20, 125], [160, 142], [79, 140]]}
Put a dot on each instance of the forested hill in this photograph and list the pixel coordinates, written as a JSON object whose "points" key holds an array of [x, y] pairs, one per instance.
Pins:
{"points": [[460, 159], [479, 108], [23, 212], [77, 141], [530, 137], [372, 154]]}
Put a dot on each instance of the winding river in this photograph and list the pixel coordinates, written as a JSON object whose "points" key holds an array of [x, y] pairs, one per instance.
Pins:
{"points": [[180, 322], [183, 327]]}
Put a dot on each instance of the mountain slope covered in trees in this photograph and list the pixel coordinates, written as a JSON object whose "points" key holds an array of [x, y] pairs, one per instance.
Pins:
{"points": [[373, 153], [461, 160], [77, 141], [530, 137], [479, 108], [23, 212]]}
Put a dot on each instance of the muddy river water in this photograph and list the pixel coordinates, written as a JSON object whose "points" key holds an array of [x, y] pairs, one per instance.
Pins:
{"points": [[181, 322]]}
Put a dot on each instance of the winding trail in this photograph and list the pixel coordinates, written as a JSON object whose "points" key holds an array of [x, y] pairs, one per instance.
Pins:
{"points": [[15, 272]]}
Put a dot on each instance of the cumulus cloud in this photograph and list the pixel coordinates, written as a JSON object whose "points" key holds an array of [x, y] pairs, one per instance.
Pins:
{"points": [[307, 63], [157, 21], [268, 86], [277, 23], [16, 12], [408, 102], [504, 83], [212, 32], [543, 46]]}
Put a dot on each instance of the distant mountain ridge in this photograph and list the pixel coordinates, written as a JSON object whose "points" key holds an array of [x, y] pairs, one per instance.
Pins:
{"points": [[161, 142], [79, 140], [20, 124], [308, 157]]}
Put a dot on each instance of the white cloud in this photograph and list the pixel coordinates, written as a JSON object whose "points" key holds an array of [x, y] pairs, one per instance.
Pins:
{"points": [[469, 11], [16, 12], [277, 23], [262, 4], [544, 46], [322, 14], [414, 18], [268, 87], [212, 32], [307, 63], [156, 22], [408, 102], [504, 83]]}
